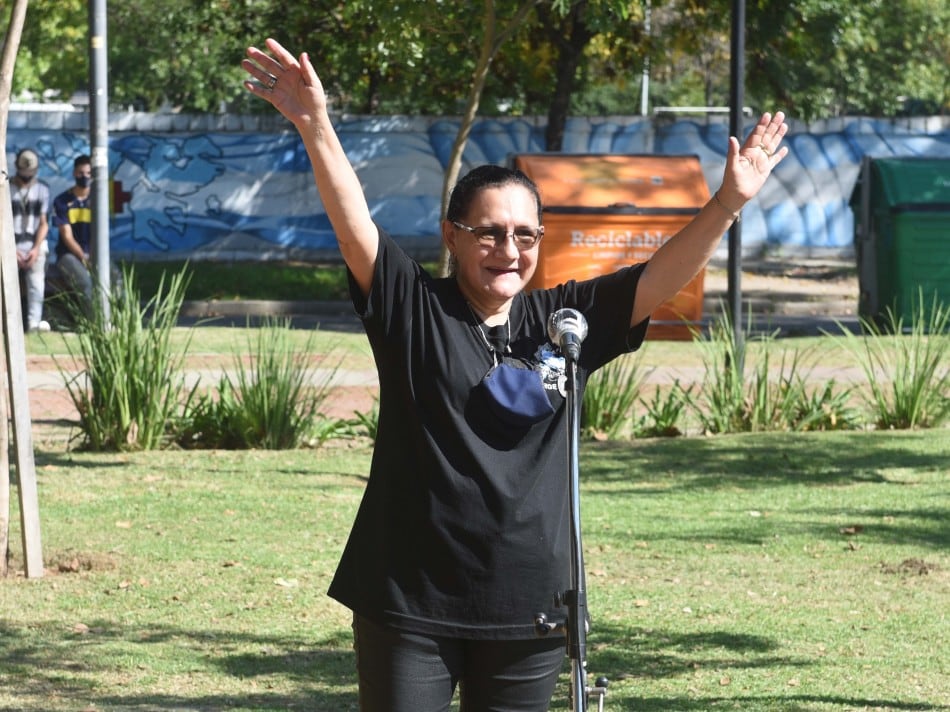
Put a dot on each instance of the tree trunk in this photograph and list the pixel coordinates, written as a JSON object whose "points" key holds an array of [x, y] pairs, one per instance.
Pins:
{"points": [[4, 476], [573, 38], [492, 41]]}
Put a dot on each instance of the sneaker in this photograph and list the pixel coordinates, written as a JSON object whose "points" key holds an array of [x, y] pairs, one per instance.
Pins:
{"points": [[41, 325]]}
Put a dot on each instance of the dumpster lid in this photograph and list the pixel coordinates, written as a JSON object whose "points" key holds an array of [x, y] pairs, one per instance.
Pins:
{"points": [[909, 183], [594, 180]]}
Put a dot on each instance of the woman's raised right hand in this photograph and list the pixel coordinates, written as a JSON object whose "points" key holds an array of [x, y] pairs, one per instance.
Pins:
{"points": [[291, 85]]}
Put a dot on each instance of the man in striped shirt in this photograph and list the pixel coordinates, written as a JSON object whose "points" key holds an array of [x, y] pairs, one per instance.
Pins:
{"points": [[30, 197]]}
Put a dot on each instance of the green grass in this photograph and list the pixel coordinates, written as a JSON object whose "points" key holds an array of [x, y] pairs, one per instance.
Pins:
{"points": [[282, 281], [790, 572], [250, 280], [217, 344]]}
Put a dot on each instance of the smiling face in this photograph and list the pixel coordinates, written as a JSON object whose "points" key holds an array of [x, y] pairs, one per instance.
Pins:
{"points": [[491, 277]]}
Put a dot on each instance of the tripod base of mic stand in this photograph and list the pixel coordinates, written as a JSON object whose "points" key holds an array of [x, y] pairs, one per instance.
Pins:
{"points": [[599, 690]]}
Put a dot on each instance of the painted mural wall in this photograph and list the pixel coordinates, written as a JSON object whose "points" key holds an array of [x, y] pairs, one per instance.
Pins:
{"points": [[231, 187]]}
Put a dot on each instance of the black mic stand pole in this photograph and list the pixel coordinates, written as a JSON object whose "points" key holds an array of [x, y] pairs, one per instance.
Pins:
{"points": [[576, 598]]}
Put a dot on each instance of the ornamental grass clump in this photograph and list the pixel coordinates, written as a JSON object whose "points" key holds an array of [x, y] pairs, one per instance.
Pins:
{"points": [[130, 392], [774, 396], [720, 402], [609, 397], [271, 399], [907, 369], [665, 412]]}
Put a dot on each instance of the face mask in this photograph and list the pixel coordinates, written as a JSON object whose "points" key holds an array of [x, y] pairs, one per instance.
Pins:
{"points": [[83, 181], [516, 395], [23, 178]]}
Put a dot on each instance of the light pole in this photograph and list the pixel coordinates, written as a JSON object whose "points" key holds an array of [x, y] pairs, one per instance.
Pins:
{"points": [[99, 147], [736, 100]]}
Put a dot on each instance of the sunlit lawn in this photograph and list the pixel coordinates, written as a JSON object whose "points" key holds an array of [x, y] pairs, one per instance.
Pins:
{"points": [[757, 572]]}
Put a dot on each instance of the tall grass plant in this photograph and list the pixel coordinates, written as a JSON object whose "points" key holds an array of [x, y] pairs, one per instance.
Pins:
{"points": [[270, 399], [736, 396], [665, 412], [609, 397], [130, 392], [907, 367]]}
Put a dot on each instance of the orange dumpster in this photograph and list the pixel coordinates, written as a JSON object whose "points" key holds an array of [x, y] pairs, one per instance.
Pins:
{"points": [[603, 212]]}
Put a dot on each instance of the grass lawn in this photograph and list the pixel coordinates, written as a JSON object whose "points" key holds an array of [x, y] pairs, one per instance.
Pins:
{"points": [[249, 280], [757, 572]]}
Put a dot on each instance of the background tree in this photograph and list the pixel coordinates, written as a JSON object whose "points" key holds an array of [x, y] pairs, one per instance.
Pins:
{"points": [[877, 58], [495, 32], [813, 57], [54, 49], [571, 30]]}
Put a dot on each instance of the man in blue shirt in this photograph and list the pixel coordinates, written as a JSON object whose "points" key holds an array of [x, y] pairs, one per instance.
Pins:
{"points": [[72, 214]]}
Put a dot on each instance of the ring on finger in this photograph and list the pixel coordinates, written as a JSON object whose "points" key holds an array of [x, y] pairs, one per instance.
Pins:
{"points": [[271, 83], [765, 150]]}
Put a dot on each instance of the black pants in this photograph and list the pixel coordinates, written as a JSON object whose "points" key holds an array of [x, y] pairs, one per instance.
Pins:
{"points": [[407, 672]]}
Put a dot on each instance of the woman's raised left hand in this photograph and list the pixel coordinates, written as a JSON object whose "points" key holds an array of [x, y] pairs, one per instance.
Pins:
{"points": [[748, 166]]}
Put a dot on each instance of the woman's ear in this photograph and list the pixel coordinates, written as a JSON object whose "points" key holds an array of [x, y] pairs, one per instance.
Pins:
{"points": [[449, 236]]}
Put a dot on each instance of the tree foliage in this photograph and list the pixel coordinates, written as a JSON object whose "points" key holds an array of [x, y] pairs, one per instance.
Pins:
{"points": [[826, 58], [815, 58]]}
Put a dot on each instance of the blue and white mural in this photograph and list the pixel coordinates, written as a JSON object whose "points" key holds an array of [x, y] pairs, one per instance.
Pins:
{"points": [[241, 187]]}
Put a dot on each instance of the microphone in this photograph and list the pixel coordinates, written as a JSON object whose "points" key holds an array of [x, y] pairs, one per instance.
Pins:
{"points": [[567, 328]]}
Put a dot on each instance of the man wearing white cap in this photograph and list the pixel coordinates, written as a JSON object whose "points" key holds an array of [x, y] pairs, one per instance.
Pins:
{"points": [[30, 198]]}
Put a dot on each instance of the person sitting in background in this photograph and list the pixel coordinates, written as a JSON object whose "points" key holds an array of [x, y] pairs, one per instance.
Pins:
{"points": [[30, 198], [72, 214]]}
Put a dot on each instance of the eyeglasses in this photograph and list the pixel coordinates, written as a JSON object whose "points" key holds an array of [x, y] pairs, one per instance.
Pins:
{"points": [[493, 236]]}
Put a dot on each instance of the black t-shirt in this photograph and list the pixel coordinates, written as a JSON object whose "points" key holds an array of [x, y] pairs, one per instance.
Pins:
{"points": [[463, 529]]}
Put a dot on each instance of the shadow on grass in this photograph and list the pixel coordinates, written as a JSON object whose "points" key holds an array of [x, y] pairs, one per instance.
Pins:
{"points": [[70, 668], [625, 651], [630, 653], [790, 703], [237, 463], [61, 669], [764, 459], [769, 461], [636, 653]]}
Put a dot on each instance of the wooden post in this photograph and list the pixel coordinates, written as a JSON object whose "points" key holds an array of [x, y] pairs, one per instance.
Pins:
{"points": [[14, 350], [4, 474], [15, 353]]}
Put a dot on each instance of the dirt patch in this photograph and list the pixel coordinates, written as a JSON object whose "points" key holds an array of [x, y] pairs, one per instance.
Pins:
{"points": [[74, 562], [67, 561], [343, 401], [909, 567]]}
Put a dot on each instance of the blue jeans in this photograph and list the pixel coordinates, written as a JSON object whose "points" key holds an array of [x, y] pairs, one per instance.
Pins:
{"points": [[408, 672], [34, 281]]}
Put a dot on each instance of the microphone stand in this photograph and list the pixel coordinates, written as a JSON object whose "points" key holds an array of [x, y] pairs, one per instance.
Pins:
{"points": [[575, 599]]}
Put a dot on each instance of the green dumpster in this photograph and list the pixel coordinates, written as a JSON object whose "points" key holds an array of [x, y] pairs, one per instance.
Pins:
{"points": [[902, 235]]}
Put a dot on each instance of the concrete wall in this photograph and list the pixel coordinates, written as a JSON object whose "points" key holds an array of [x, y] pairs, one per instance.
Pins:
{"points": [[240, 187]]}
